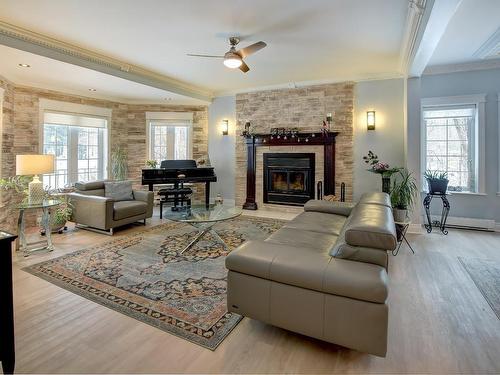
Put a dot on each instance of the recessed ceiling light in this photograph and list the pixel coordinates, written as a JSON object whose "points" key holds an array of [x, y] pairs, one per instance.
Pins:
{"points": [[91, 89], [24, 65]]}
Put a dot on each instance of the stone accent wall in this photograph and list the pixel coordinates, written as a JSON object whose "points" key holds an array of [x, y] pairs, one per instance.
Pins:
{"points": [[303, 108], [127, 129]]}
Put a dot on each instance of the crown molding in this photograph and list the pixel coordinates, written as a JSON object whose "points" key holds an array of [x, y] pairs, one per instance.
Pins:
{"points": [[463, 67], [302, 84], [491, 48], [19, 38], [412, 34]]}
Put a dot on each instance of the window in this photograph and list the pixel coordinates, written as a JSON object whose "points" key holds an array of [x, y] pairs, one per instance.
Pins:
{"points": [[169, 135], [450, 145], [79, 144]]}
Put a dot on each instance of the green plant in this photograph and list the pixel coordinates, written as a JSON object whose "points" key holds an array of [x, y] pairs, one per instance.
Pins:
{"points": [[17, 183], [119, 168], [404, 190], [151, 163], [62, 214], [435, 175]]}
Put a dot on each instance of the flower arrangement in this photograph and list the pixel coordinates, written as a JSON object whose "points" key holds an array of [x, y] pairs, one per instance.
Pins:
{"points": [[379, 167]]}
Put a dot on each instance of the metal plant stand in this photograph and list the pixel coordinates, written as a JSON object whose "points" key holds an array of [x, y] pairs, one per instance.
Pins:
{"points": [[401, 229], [444, 213]]}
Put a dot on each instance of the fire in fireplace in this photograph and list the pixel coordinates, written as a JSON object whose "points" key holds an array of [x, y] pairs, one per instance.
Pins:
{"points": [[289, 178]]}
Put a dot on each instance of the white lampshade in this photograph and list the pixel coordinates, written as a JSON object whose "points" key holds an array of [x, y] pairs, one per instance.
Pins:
{"points": [[34, 164]]}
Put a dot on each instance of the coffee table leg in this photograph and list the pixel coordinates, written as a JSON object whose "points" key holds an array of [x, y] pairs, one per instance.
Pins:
{"points": [[200, 234]]}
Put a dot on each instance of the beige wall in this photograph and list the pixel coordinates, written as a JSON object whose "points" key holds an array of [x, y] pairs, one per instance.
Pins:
{"points": [[20, 131], [303, 108]]}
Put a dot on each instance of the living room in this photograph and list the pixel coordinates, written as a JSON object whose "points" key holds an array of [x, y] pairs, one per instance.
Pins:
{"points": [[263, 187]]}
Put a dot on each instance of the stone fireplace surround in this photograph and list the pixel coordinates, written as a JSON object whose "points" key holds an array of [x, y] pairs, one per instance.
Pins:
{"points": [[302, 108]]}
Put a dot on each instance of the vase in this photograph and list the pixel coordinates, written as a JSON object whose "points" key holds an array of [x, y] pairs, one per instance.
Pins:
{"points": [[386, 184]]}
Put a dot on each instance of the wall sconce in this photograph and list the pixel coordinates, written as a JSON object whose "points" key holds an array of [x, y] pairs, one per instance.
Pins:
{"points": [[370, 120], [225, 127]]}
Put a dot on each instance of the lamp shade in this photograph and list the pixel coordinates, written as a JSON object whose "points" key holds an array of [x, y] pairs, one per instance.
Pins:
{"points": [[34, 164]]}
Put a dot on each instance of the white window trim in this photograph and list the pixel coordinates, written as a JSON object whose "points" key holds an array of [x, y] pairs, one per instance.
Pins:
{"points": [[479, 101], [498, 149], [73, 108], [166, 116], [1, 126]]}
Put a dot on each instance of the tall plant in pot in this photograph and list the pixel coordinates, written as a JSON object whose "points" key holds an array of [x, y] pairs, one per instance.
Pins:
{"points": [[403, 194], [119, 167]]}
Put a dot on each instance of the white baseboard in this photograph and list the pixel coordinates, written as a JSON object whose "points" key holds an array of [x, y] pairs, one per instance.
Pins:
{"points": [[497, 226], [468, 223]]}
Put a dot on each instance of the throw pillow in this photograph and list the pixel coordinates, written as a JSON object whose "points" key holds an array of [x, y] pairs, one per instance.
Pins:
{"points": [[119, 190]]}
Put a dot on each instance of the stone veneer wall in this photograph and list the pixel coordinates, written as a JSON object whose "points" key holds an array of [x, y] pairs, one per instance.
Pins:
{"points": [[127, 129], [303, 108]]}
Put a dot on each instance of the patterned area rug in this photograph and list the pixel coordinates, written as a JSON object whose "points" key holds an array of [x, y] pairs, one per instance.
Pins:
{"points": [[486, 275], [145, 276]]}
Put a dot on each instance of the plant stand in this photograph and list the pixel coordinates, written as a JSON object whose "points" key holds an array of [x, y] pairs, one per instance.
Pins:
{"points": [[444, 213], [386, 184]]}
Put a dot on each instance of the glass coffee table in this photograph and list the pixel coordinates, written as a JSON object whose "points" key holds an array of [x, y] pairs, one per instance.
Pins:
{"points": [[203, 218]]}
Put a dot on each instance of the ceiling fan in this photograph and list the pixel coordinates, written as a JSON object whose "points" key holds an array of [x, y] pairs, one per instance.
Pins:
{"points": [[234, 58]]}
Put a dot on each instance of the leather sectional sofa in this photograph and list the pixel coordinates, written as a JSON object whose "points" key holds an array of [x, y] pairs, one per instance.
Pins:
{"points": [[323, 274]]}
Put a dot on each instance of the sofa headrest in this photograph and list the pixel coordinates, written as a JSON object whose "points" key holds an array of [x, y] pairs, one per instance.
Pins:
{"points": [[376, 198], [85, 186], [327, 207], [371, 225]]}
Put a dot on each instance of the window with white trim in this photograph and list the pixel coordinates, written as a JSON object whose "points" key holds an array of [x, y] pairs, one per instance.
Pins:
{"points": [[169, 139], [450, 144], [79, 143]]}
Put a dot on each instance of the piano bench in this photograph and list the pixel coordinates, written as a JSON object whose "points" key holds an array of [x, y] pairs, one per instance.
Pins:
{"points": [[179, 195]]}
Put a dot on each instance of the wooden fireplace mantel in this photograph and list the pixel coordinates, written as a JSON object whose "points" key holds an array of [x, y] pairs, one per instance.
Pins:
{"points": [[327, 140]]}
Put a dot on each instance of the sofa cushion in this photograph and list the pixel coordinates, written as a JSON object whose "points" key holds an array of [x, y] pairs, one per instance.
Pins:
{"points": [[118, 190], [85, 186], [343, 250], [126, 209], [318, 222], [315, 241], [338, 208], [371, 225], [310, 270], [382, 199]]}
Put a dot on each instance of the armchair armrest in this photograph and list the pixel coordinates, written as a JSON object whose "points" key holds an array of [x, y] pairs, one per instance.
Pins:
{"points": [[145, 196], [92, 210]]}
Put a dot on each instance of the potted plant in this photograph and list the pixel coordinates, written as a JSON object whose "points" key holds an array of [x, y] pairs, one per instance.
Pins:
{"points": [[119, 168], [151, 164], [403, 193], [381, 168], [436, 181]]}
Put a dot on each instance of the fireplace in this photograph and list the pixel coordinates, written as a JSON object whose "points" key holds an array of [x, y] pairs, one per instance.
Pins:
{"points": [[289, 178]]}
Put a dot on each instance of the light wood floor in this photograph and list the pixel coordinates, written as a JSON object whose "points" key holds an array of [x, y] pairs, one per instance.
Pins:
{"points": [[439, 323]]}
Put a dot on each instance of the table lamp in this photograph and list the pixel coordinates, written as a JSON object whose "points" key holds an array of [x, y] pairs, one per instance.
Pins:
{"points": [[34, 165]]}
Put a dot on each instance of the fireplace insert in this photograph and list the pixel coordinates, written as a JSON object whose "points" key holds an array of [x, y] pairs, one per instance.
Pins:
{"points": [[288, 178]]}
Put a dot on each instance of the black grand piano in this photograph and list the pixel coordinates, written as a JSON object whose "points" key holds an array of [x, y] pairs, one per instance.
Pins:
{"points": [[179, 171]]}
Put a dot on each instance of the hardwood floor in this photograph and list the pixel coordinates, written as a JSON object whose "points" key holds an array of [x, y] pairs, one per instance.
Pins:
{"points": [[439, 323]]}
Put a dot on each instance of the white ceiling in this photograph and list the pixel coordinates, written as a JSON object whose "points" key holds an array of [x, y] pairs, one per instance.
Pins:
{"points": [[472, 24], [51, 74], [313, 40]]}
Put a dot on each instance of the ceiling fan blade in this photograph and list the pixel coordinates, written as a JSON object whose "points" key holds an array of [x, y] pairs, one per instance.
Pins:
{"points": [[196, 55], [252, 48], [244, 67]]}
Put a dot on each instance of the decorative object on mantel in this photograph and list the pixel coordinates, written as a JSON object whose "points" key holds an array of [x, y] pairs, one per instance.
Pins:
{"points": [[253, 141], [381, 168], [247, 129]]}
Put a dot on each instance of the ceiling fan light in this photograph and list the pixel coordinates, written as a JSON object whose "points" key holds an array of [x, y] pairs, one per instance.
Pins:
{"points": [[232, 62]]}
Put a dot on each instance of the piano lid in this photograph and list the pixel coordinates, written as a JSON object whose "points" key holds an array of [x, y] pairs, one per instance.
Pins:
{"points": [[178, 164]]}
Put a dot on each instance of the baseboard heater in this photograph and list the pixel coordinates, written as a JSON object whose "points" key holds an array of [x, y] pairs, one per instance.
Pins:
{"points": [[467, 223]]}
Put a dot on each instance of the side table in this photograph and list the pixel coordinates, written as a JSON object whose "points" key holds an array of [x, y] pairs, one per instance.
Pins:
{"points": [[23, 245], [401, 229], [444, 213], [7, 348]]}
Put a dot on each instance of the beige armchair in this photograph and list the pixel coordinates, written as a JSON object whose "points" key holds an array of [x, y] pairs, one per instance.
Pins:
{"points": [[94, 211]]}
